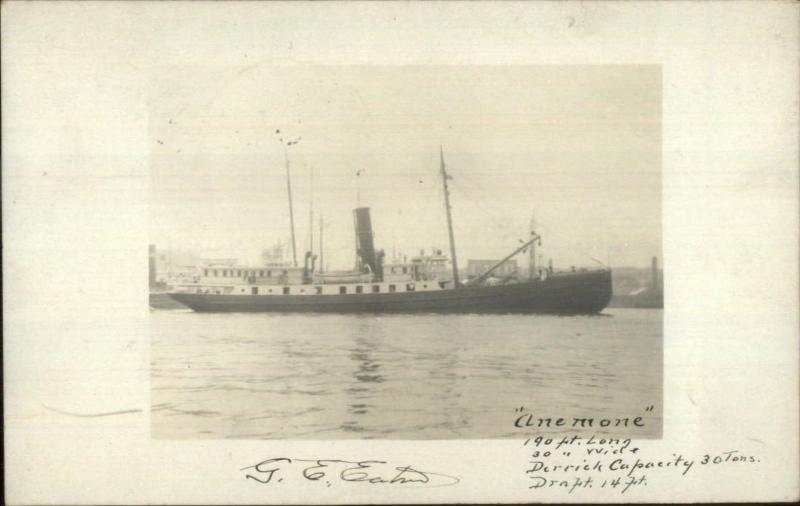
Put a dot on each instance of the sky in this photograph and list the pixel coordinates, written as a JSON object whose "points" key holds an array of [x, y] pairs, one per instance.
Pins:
{"points": [[578, 147]]}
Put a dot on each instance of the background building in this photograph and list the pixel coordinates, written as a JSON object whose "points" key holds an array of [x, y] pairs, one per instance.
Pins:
{"points": [[638, 287], [478, 267]]}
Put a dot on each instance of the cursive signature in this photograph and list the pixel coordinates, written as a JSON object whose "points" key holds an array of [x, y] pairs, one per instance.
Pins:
{"points": [[328, 471]]}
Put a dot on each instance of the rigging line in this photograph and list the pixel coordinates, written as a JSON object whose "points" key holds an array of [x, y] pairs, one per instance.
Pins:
{"points": [[496, 212], [470, 179], [472, 199], [501, 218], [495, 221], [502, 226], [501, 213], [504, 220]]}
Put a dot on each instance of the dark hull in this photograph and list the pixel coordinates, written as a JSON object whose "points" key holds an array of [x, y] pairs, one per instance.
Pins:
{"points": [[570, 293], [164, 301]]}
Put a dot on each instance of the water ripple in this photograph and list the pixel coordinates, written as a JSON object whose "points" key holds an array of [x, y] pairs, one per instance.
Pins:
{"points": [[250, 376]]}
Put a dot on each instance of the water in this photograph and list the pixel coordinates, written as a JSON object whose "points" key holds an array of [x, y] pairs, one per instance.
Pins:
{"points": [[263, 376]]}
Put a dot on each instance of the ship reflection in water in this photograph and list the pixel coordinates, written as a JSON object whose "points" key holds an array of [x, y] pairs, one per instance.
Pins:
{"points": [[367, 371], [259, 376]]}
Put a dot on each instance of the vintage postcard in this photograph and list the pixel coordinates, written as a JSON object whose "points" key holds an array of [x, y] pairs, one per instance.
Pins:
{"points": [[400, 252]]}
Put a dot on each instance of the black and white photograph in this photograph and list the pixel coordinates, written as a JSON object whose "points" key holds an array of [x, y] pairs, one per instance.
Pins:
{"points": [[404, 252], [461, 252]]}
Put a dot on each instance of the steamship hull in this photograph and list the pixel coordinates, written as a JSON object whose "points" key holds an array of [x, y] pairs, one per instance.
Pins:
{"points": [[563, 293]]}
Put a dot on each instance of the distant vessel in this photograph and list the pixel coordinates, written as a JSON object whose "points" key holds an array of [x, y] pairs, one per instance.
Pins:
{"points": [[420, 285]]}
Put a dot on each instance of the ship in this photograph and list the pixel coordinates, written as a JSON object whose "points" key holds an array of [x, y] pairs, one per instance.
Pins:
{"points": [[420, 284]]}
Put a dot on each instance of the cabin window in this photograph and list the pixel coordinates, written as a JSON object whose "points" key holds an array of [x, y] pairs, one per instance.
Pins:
{"points": [[410, 287], [376, 288], [286, 290], [342, 289], [254, 290], [405, 270], [318, 289], [359, 289], [392, 288]]}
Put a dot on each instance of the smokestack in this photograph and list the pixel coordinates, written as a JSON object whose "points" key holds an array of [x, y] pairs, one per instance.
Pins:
{"points": [[365, 247], [654, 273]]}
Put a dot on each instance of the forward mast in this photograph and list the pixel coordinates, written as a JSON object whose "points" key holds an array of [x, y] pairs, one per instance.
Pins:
{"points": [[456, 282]]}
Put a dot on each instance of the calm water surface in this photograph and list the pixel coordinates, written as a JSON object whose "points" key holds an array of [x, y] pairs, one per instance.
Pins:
{"points": [[263, 376]]}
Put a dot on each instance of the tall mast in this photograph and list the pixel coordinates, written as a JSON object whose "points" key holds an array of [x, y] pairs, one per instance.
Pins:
{"points": [[456, 282], [311, 210], [291, 209], [532, 257], [321, 258], [286, 145]]}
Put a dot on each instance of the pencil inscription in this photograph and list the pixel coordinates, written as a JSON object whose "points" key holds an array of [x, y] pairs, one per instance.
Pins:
{"points": [[329, 471], [569, 464]]}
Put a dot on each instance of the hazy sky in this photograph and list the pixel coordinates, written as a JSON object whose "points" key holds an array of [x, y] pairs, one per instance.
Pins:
{"points": [[579, 146]]}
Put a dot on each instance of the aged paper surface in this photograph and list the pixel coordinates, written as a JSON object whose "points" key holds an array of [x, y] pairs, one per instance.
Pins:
{"points": [[630, 129]]}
